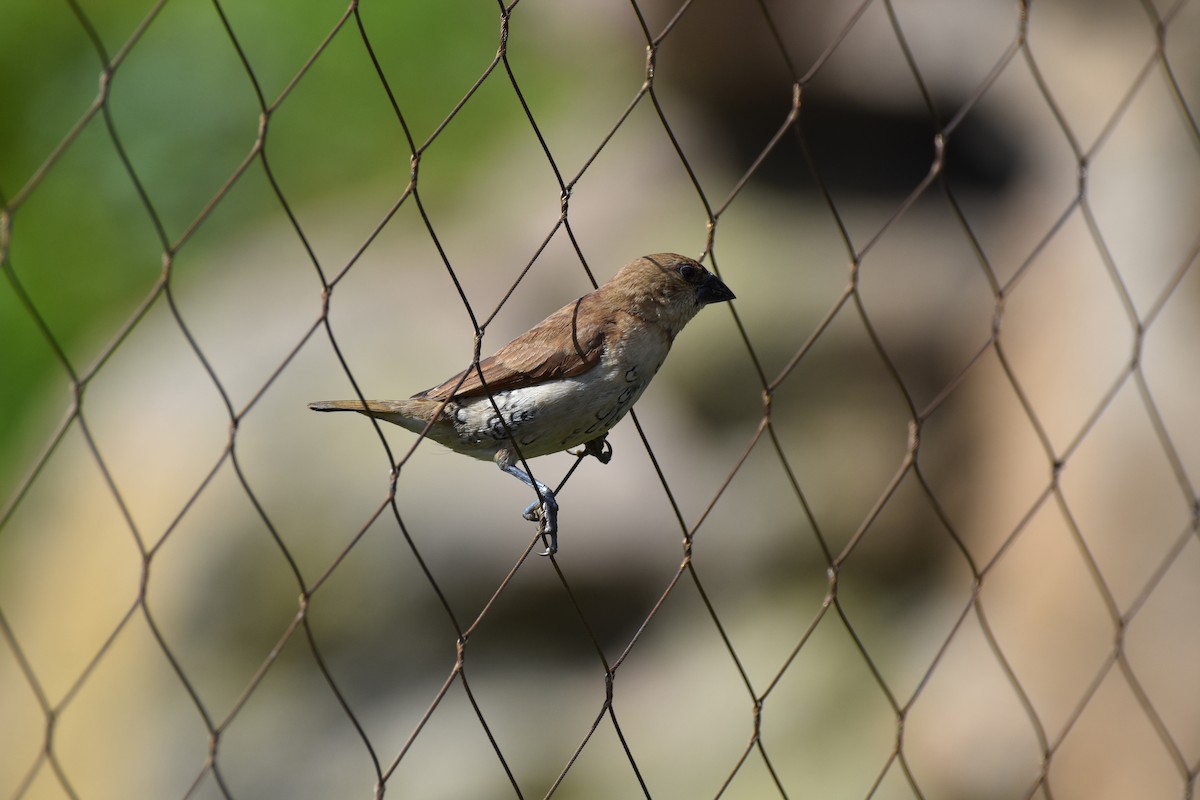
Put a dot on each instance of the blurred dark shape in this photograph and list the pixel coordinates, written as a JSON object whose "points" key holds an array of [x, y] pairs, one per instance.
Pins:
{"points": [[862, 139], [860, 149]]}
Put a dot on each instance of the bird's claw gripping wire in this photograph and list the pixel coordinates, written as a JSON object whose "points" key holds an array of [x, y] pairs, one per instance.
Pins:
{"points": [[599, 448], [543, 510]]}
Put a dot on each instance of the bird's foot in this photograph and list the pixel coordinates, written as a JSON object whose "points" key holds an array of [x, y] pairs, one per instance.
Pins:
{"points": [[545, 512], [600, 448]]}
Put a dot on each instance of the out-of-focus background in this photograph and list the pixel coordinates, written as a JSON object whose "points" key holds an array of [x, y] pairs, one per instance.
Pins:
{"points": [[937, 463]]}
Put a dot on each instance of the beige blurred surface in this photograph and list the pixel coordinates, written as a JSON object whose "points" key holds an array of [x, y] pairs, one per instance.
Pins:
{"points": [[150, 575]]}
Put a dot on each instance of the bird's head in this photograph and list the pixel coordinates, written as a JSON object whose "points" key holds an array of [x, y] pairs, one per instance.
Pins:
{"points": [[668, 288]]}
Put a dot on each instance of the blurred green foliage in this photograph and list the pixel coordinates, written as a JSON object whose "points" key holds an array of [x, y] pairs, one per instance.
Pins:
{"points": [[86, 249]]}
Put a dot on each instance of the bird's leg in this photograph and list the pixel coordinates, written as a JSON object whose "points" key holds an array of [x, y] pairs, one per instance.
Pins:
{"points": [[598, 447], [545, 510]]}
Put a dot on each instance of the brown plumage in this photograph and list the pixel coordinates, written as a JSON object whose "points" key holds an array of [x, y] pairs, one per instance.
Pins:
{"points": [[565, 382]]}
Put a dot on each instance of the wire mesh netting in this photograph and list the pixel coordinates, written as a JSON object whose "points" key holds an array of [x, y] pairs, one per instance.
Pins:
{"points": [[914, 517]]}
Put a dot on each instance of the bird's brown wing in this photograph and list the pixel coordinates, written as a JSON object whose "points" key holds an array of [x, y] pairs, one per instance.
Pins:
{"points": [[567, 343]]}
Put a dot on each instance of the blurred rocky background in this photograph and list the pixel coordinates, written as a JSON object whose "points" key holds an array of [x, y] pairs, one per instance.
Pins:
{"points": [[980, 367]]}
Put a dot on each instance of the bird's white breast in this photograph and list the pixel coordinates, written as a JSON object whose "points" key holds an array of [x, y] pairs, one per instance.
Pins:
{"points": [[558, 414]]}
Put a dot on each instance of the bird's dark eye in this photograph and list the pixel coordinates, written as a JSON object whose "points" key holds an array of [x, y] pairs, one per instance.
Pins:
{"points": [[689, 272]]}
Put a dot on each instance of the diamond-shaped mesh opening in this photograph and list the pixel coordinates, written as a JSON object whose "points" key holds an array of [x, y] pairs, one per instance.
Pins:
{"points": [[914, 517]]}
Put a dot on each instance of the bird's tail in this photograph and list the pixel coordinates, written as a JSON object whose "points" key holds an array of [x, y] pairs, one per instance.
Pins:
{"points": [[413, 414]]}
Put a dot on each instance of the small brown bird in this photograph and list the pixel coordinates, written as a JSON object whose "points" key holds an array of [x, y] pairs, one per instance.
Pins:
{"points": [[565, 382]]}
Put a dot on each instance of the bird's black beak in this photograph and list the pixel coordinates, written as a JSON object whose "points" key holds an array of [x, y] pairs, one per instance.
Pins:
{"points": [[713, 290]]}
